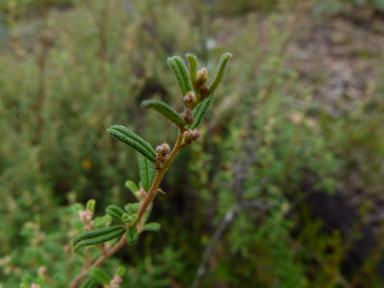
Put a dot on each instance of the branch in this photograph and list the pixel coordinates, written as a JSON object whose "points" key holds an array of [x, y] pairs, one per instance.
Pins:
{"points": [[148, 199]]}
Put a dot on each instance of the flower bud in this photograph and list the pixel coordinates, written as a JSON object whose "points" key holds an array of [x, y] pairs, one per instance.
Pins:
{"points": [[163, 149], [162, 152], [117, 279], [202, 76], [189, 98], [195, 134], [187, 116]]}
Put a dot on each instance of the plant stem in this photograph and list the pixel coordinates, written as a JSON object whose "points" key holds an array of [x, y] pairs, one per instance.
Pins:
{"points": [[148, 199]]}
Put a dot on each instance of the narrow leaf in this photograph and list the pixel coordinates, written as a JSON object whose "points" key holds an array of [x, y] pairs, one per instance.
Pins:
{"points": [[151, 227], [115, 212], [91, 205], [147, 172], [220, 73], [101, 221], [124, 135], [199, 112], [132, 235], [184, 72], [131, 186], [97, 236], [89, 283], [98, 275], [77, 207], [165, 110], [192, 68], [180, 70], [132, 208], [120, 271]]}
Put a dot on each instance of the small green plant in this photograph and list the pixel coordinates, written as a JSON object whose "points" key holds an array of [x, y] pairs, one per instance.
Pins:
{"points": [[153, 164]]}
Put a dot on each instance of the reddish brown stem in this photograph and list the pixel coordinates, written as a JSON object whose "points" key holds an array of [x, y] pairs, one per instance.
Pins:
{"points": [[148, 199]]}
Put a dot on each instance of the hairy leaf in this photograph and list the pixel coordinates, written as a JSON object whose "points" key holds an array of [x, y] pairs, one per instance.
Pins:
{"points": [[91, 205], [147, 172], [199, 112], [120, 271], [153, 226], [124, 135], [192, 68], [98, 275], [115, 212], [101, 221], [220, 73], [89, 283], [165, 110], [97, 236], [181, 72], [131, 186], [132, 235]]}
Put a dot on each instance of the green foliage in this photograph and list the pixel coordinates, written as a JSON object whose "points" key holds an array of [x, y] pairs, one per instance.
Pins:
{"points": [[97, 236], [104, 58], [98, 275], [146, 171], [181, 72], [151, 227], [132, 235], [124, 135], [165, 110]]}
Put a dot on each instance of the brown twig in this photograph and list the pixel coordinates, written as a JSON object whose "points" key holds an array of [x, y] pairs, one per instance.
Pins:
{"points": [[147, 201]]}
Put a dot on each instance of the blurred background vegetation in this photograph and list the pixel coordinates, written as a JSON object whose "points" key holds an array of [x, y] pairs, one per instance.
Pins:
{"points": [[284, 188]]}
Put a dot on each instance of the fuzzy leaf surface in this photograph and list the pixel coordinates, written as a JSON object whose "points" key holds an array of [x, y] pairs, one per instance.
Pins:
{"points": [[165, 110], [97, 236], [98, 275], [220, 73], [192, 68], [132, 235], [147, 172], [181, 72], [89, 283], [115, 212], [153, 226], [124, 135], [199, 112]]}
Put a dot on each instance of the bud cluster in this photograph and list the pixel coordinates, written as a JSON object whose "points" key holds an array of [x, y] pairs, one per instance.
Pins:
{"points": [[187, 116], [202, 77], [86, 217], [162, 152], [115, 282], [190, 99], [190, 136]]}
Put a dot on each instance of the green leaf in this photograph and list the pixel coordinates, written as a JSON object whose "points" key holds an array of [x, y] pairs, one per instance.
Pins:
{"points": [[181, 72], [88, 283], [221, 70], [132, 235], [124, 135], [91, 205], [77, 207], [98, 275], [199, 112], [153, 226], [132, 208], [131, 186], [101, 221], [115, 212], [127, 219], [147, 172], [120, 271], [165, 110], [97, 236], [192, 68]]}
